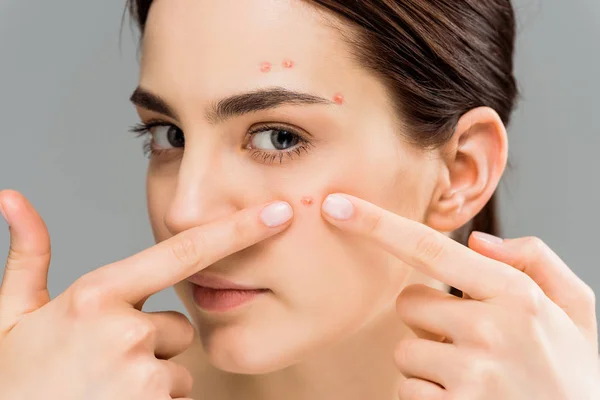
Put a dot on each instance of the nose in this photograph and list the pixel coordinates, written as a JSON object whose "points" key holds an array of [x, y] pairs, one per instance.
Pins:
{"points": [[205, 192]]}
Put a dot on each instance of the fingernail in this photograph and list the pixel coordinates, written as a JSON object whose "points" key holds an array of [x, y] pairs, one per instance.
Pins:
{"points": [[486, 237], [276, 214], [338, 207], [3, 213]]}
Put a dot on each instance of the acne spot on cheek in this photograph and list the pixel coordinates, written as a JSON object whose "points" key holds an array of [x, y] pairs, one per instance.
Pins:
{"points": [[288, 64], [338, 99], [307, 201], [266, 67]]}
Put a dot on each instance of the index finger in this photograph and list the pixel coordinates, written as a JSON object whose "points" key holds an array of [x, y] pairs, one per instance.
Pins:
{"points": [[177, 258], [420, 246]]}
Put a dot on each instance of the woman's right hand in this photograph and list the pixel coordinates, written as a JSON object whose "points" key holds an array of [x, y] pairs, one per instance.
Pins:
{"points": [[93, 341]]}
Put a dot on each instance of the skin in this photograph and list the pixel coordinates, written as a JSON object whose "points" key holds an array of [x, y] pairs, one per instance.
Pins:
{"points": [[96, 341], [353, 284], [356, 148], [357, 307]]}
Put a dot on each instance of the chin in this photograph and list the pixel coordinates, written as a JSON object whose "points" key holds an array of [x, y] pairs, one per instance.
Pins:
{"points": [[247, 350]]}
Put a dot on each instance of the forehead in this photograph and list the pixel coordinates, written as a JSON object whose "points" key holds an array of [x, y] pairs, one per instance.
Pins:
{"points": [[216, 47]]}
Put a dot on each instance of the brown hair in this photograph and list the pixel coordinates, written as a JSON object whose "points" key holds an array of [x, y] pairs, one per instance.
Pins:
{"points": [[439, 58]]}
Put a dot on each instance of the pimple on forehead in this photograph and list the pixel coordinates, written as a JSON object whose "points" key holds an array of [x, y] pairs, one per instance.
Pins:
{"points": [[266, 66], [338, 99], [288, 64], [307, 200]]}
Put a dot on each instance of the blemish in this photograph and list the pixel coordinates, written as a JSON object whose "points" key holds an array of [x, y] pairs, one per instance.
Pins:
{"points": [[288, 64], [266, 67], [338, 99], [307, 201]]}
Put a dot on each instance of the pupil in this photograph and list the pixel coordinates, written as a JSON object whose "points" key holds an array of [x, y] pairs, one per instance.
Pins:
{"points": [[175, 137], [283, 139]]}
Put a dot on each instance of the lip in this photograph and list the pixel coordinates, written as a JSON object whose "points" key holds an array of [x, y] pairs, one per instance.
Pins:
{"points": [[218, 283], [215, 294]]}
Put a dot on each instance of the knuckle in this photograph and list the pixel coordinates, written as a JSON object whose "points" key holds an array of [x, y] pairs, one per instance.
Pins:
{"points": [[487, 333], [86, 296], [188, 248], [588, 295], [372, 222], [152, 376], [535, 245], [529, 326], [429, 248], [241, 230], [16, 258], [480, 372], [138, 331], [528, 295]]}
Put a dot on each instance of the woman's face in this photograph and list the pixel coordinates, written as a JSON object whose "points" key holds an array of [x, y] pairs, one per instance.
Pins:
{"points": [[219, 154]]}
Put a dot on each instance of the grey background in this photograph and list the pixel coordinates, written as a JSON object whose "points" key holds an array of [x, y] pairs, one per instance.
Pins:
{"points": [[65, 81]]}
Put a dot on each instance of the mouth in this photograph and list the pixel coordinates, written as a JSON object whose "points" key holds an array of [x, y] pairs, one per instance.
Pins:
{"points": [[215, 294]]}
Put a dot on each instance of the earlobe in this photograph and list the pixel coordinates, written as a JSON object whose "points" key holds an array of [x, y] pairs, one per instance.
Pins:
{"points": [[473, 163]]}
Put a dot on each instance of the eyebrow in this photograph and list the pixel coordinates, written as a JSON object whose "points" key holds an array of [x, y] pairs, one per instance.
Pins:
{"points": [[236, 105]]}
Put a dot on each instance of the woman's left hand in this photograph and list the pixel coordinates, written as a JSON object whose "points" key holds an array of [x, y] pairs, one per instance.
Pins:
{"points": [[525, 329]]}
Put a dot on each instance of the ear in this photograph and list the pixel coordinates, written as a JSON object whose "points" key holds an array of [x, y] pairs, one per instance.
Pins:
{"points": [[473, 162]]}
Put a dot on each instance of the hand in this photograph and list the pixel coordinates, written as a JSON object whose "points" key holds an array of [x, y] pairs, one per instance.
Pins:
{"points": [[93, 341], [526, 328]]}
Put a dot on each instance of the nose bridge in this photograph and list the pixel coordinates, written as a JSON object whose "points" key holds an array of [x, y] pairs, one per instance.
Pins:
{"points": [[203, 193]]}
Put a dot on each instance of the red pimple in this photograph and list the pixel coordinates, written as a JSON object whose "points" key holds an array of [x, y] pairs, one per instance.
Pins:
{"points": [[266, 67], [307, 201], [288, 64], [338, 99]]}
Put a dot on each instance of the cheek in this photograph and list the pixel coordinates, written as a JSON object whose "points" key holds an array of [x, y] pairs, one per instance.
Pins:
{"points": [[322, 262]]}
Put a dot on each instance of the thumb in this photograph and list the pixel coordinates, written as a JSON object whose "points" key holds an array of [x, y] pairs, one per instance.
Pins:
{"points": [[24, 286]]}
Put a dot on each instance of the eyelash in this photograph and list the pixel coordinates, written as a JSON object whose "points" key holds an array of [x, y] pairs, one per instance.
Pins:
{"points": [[143, 129]]}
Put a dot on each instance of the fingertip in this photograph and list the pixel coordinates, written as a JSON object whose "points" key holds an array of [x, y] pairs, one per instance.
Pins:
{"points": [[479, 239], [28, 229], [9, 204], [276, 214], [6, 201], [338, 207], [10, 196], [12, 202], [487, 238]]}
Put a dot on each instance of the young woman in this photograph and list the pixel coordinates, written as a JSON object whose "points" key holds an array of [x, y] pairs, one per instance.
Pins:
{"points": [[317, 171]]}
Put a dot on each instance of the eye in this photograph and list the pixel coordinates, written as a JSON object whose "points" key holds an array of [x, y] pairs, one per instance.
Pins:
{"points": [[166, 137], [274, 139]]}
